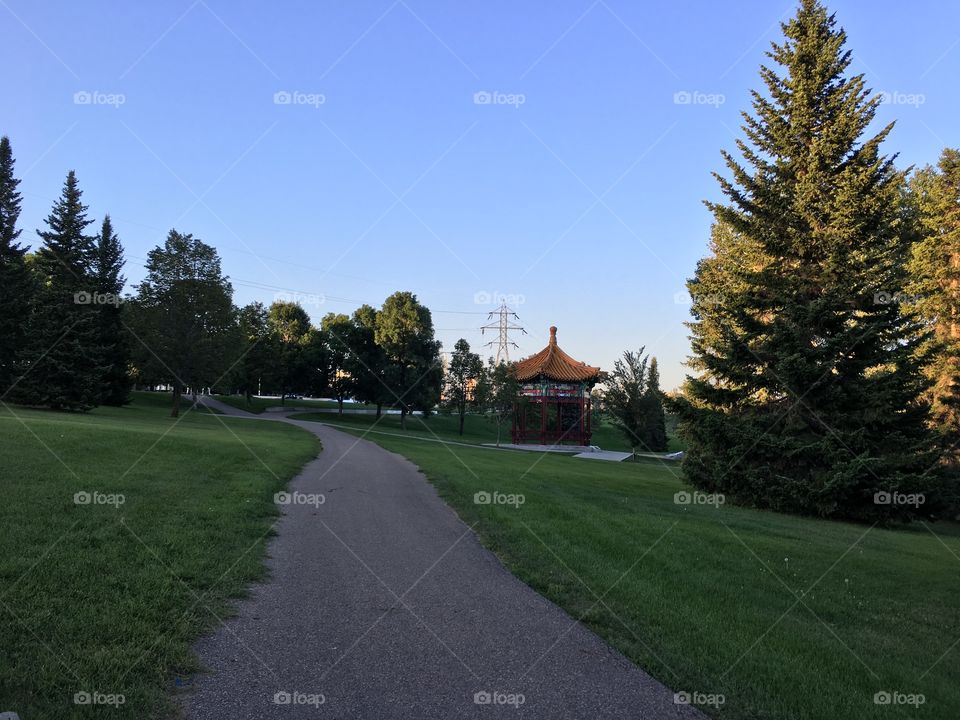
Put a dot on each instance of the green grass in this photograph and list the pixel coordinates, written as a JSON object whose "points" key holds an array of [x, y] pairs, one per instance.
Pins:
{"points": [[477, 429], [258, 404], [786, 617], [110, 598]]}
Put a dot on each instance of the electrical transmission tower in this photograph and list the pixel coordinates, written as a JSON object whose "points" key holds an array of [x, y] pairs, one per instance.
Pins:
{"points": [[502, 321]]}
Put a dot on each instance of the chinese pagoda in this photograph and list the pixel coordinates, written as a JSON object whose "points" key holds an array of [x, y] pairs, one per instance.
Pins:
{"points": [[553, 406]]}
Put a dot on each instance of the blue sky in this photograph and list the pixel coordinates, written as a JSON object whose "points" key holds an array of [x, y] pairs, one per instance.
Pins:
{"points": [[576, 192]]}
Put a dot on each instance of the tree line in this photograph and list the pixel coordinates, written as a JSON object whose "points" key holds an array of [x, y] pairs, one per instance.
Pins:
{"points": [[825, 336], [71, 340]]}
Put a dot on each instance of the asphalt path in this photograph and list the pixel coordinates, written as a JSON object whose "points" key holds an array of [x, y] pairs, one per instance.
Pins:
{"points": [[381, 603]]}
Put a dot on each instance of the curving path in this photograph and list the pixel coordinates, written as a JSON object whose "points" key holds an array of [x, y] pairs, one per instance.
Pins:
{"points": [[381, 603]]}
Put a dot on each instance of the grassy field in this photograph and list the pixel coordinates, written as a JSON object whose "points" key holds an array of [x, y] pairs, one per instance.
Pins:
{"points": [[107, 597], [477, 429], [784, 617], [259, 404]]}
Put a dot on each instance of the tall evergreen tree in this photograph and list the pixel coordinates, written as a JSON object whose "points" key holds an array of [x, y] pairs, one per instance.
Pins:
{"points": [[109, 281], [934, 289], [656, 416], [806, 397], [62, 359], [15, 285]]}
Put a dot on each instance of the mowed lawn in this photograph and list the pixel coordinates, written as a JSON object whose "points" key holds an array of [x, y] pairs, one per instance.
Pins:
{"points": [[477, 430], [258, 405], [106, 598], [785, 617]]}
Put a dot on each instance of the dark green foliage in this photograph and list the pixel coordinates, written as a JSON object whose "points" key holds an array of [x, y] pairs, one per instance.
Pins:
{"points": [[635, 403], [15, 282], [107, 268], [61, 362], [182, 319], [496, 393], [412, 373], [338, 330], [461, 378], [290, 329], [806, 397], [934, 290], [255, 349], [366, 361]]}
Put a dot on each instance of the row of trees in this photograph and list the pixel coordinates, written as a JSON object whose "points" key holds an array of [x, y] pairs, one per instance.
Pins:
{"points": [[61, 337], [69, 340], [825, 323]]}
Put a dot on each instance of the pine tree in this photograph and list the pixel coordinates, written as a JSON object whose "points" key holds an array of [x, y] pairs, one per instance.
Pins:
{"points": [[107, 267], [15, 285], [656, 416], [934, 290], [62, 366], [807, 385]]}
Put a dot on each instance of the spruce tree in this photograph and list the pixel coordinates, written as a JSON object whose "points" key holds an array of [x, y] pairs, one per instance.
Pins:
{"points": [[15, 285], [934, 289], [107, 268], [62, 359], [807, 385], [656, 416]]}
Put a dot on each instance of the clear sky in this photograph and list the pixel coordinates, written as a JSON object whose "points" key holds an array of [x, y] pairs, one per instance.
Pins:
{"points": [[576, 191]]}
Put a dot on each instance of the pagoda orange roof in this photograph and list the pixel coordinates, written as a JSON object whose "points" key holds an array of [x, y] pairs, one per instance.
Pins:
{"points": [[554, 364]]}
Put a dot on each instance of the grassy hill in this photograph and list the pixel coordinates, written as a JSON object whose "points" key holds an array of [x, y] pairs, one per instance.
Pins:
{"points": [[125, 532], [785, 617]]}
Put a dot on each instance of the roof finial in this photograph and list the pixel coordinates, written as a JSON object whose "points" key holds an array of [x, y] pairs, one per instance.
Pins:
{"points": [[553, 334]]}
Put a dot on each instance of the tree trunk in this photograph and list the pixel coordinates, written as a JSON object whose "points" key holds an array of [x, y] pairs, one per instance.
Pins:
{"points": [[462, 415], [340, 405], [379, 410], [177, 392]]}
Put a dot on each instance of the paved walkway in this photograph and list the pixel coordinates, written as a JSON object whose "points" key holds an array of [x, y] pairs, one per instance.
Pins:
{"points": [[381, 603]]}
